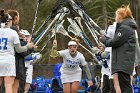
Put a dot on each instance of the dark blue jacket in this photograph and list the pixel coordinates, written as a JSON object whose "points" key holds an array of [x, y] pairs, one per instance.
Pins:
{"points": [[123, 46]]}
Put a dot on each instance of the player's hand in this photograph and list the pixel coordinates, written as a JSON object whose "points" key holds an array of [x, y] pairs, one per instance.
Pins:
{"points": [[30, 45], [54, 42], [95, 50], [101, 47]]}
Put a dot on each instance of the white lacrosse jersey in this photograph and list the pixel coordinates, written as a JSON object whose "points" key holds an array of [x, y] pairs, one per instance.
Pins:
{"points": [[110, 33], [107, 70], [70, 64], [8, 38], [111, 30]]}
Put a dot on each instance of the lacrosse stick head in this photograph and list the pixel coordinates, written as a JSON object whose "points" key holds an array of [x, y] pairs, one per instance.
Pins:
{"points": [[54, 53], [72, 30], [66, 10], [63, 12], [70, 20], [63, 31], [53, 32], [78, 19], [59, 25]]}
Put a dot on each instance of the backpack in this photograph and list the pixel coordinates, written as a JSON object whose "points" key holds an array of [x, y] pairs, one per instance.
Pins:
{"points": [[56, 85], [41, 83]]}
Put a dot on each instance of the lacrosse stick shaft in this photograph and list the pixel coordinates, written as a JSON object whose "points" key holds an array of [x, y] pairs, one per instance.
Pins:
{"points": [[82, 13], [92, 26], [93, 34], [36, 12], [56, 17], [76, 29], [53, 34], [45, 44], [46, 21], [44, 32]]}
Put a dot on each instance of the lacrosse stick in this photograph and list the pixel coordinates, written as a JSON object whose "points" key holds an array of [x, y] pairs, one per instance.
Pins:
{"points": [[59, 16], [75, 29], [57, 26], [92, 26], [54, 30], [54, 12], [65, 33], [83, 15], [78, 22], [46, 21], [48, 41], [36, 12]]}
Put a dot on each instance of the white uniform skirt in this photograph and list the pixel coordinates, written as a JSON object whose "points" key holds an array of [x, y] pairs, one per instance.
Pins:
{"points": [[71, 77], [29, 74], [7, 66]]}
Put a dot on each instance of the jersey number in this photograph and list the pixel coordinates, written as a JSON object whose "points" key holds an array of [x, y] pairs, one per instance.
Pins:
{"points": [[3, 43]]}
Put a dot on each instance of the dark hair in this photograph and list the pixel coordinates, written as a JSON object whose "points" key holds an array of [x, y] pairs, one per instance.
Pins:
{"points": [[2, 12], [3, 16]]}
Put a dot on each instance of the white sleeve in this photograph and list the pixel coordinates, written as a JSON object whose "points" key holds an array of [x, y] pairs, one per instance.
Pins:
{"points": [[62, 53], [16, 38], [136, 34], [83, 61], [111, 30]]}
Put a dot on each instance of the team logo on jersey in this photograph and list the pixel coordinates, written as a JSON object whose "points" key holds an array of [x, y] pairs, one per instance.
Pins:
{"points": [[119, 34]]}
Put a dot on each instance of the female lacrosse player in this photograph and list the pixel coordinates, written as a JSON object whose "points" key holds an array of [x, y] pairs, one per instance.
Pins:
{"points": [[70, 70], [20, 65], [8, 41]]}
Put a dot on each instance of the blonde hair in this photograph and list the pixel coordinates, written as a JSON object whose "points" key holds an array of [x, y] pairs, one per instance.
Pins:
{"points": [[124, 12]]}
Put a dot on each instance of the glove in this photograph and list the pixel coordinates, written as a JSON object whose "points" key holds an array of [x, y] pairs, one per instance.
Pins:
{"points": [[105, 55], [95, 50], [36, 56], [102, 32]]}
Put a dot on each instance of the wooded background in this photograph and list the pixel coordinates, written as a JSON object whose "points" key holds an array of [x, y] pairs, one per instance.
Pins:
{"points": [[98, 10]]}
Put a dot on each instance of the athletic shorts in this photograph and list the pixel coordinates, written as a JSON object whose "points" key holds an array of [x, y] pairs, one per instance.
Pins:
{"points": [[7, 69], [29, 74], [7, 66], [69, 78]]}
